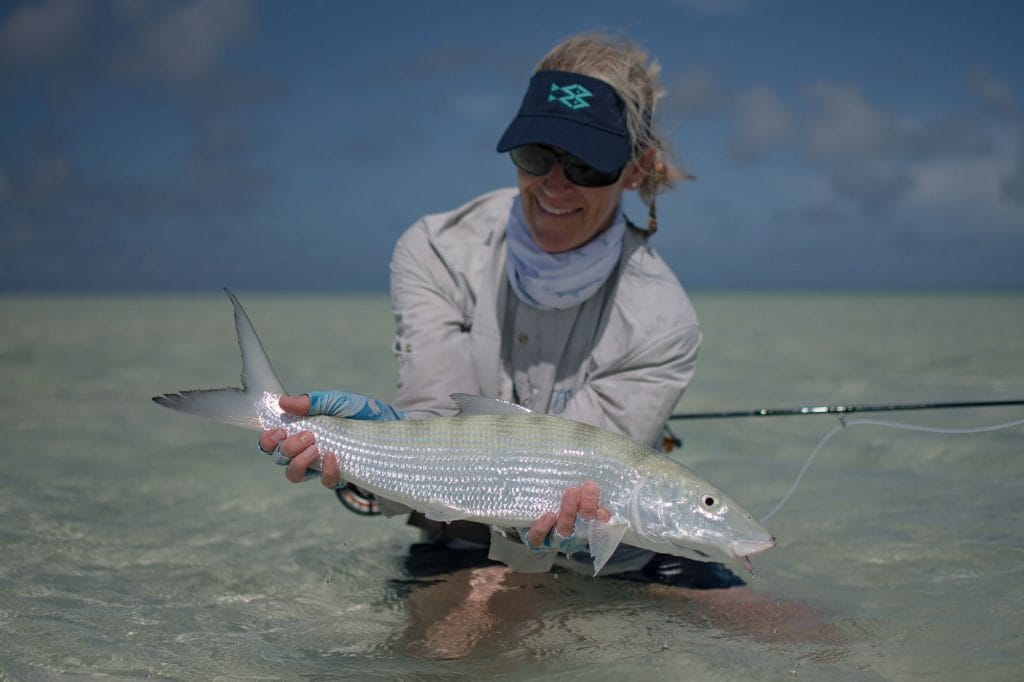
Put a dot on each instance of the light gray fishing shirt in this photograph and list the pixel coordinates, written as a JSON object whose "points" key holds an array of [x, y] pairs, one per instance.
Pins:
{"points": [[619, 361]]}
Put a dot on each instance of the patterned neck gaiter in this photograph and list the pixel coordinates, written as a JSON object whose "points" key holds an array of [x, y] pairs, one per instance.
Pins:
{"points": [[556, 281]]}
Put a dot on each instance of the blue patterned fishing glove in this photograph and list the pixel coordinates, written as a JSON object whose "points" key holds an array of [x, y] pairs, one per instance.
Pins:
{"points": [[352, 406], [577, 541]]}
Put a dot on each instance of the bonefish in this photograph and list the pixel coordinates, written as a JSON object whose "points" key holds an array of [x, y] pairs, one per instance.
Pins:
{"points": [[499, 464]]}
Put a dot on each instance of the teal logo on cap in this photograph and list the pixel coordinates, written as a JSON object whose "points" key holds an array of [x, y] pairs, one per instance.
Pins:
{"points": [[572, 96]]}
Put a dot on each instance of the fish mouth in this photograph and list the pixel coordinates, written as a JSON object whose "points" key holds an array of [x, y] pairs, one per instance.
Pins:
{"points": [[740, 550], [744, 549]]}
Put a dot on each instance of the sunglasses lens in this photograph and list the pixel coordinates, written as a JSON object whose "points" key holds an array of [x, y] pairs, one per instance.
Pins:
{"points": [[533, 159], [536, 159], [579, 173]]}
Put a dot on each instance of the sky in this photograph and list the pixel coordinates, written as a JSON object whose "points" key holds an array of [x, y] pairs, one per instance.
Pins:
{"points": [[149, 145]]}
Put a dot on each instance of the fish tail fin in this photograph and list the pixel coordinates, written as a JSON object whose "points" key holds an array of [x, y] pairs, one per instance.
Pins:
{"points": [[233, 405]]}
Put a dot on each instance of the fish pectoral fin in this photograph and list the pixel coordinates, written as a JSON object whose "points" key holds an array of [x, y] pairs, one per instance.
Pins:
{"points": [[518, 556], [605, 538], [478, 405]]}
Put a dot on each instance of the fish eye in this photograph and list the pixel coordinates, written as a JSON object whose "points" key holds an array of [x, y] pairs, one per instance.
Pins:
{"points": [[709, 501]]}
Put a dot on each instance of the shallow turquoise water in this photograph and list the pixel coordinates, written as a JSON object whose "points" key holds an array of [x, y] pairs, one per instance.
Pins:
{"points": [[141, 543]]}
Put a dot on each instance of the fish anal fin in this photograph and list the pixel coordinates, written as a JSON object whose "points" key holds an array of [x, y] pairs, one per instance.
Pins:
{"points": [[390, 509], [444, 515]]}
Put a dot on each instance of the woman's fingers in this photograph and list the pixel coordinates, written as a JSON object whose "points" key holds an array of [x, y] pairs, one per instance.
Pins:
{"points": [[589, 493], [540, 529], [301, 450], [567, 512], [293, 445], [329, 475], [579, 501], [302, 453], [271, 439], [296, 469], [295, 404], [292, 404]]}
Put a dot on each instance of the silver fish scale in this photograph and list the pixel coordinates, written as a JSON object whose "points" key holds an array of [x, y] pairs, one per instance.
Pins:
{"points": [[500, 469]]}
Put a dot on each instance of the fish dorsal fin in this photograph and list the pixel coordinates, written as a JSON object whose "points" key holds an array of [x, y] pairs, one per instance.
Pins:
{"points": [[478, 405]]}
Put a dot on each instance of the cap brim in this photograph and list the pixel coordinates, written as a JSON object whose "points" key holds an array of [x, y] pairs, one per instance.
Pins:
{"points": [[604, 150]]}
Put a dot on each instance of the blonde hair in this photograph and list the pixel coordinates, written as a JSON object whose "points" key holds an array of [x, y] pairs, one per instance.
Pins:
{"points": [[634, 76]]}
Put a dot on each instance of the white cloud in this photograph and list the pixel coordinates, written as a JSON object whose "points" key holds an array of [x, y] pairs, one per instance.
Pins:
{"points": [[51, 175], [762, 121], [187, 41], [1013, 184], [979, 184], [16, 236], [43, 32], [975, 188], [990, 89], [957, 164], [716, 7], [182, 42], [873, 187], [484, 105], [697, 92], [845, 124]]}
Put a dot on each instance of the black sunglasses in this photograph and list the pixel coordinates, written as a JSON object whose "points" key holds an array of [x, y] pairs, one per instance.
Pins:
{"points": [[536, 159]]}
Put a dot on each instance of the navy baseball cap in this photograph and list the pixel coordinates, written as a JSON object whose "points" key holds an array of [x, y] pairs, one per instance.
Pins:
{"points": [[581, 115]]}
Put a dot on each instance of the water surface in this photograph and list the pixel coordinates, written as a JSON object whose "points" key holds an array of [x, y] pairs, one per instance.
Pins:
{"points": [[139, 543]]}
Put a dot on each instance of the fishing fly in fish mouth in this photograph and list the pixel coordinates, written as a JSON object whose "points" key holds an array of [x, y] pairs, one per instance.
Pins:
{"points": [[547, 299]]}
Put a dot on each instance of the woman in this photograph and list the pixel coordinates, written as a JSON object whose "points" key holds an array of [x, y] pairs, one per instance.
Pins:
{"points": [[543, 295]]}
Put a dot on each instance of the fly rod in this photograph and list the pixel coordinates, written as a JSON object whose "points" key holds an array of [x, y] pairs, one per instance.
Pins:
{"points": [[841, 409]]}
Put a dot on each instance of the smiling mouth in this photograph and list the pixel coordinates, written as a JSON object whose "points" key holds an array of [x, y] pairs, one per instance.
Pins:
{"points": [[556, 212]]}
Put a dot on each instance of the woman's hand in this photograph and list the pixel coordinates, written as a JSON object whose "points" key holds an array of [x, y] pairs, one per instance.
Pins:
{"points": [[581, 501], [300, 449]]}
